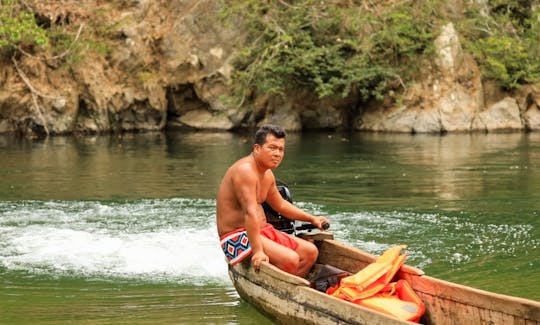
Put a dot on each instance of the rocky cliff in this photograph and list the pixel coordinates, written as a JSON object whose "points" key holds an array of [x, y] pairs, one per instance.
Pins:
{"points": [[167, 65]]}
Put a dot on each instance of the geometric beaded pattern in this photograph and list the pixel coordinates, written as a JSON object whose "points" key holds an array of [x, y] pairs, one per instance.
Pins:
{"points": [[236, 246]]}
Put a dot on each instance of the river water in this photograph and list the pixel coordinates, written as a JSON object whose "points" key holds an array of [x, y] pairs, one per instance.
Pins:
{"points": [[121, 229]]}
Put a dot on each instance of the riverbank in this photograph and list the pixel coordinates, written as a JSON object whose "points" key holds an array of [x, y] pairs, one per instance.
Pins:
{"points": [[156, 65]]}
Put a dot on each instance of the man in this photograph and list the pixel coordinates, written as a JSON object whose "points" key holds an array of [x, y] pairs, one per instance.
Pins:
{"points": [[241, 221]]}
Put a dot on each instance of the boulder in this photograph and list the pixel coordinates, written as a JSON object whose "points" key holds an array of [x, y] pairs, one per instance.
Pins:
{"points": [[204, 120], [503, 115]]}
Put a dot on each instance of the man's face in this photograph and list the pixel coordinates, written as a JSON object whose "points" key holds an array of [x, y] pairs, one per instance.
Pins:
{"points": [[272, 151]]}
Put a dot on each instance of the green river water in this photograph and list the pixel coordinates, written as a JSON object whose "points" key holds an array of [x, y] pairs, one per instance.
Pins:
{"points": [[121, 229]]}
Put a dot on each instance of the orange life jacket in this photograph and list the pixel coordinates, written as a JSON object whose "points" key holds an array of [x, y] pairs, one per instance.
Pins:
{"points": [[371, 287]]}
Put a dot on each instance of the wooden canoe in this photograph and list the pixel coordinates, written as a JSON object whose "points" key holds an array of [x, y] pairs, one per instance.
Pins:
{"points": [[289, 299]]}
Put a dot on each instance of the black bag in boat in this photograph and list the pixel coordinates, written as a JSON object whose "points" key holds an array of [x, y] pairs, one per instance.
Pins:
{"points": [[323, 276], [279, 221]]}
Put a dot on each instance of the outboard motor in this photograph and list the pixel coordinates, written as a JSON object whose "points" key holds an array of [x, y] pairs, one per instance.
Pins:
{"points": [[279, 221], [321, 276]]}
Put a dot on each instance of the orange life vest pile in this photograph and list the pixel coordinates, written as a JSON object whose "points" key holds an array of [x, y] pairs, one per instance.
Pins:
{"points": [[371, 287]]}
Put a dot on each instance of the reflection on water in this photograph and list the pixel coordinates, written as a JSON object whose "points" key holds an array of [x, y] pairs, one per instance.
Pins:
{"points": [[389, 171], [431, 171], [121, 229], [454, 159], [104, 167]]}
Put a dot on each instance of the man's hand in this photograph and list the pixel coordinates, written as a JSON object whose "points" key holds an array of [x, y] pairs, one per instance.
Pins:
{"points": [[257, 259], [319, 221]]}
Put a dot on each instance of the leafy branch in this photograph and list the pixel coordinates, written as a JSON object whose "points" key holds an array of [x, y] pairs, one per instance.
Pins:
{"points": [[331, 49], [18, 28], [503, 37]]}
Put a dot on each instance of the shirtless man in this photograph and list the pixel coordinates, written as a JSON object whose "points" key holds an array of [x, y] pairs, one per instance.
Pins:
{"points": [[240, 217]]}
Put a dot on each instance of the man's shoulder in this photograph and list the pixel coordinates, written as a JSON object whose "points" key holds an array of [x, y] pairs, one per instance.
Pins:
{"points": [[241, 167], [243, 164]]}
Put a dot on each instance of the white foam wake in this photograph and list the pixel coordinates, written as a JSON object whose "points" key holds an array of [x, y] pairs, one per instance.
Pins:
{"points": [[78, 245]]}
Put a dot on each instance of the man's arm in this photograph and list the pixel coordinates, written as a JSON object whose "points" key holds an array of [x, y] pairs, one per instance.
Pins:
{"points": [[245, 186]]}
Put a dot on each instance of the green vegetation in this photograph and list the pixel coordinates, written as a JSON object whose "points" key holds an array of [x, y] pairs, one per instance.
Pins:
{"points": [[504, 41], [332, 49], [58, 38], [338, 48], [18, 28]]}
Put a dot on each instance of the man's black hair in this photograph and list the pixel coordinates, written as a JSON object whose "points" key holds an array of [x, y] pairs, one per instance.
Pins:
{"points": [[277, 131]]}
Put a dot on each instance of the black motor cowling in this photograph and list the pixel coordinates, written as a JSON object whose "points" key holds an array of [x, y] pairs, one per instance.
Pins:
{"points": [[279, 221]]}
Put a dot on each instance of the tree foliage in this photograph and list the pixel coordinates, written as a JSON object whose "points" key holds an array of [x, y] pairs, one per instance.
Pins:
{"points": [[55, 33], [335, 48], [18, 27], [329, 47], [504, 40]]}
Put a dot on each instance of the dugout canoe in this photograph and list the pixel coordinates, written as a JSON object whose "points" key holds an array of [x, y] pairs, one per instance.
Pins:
{"points": [[289, 299]]}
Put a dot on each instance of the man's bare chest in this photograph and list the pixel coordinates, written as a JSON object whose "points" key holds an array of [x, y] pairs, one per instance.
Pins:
{"points": [[262, 191]]}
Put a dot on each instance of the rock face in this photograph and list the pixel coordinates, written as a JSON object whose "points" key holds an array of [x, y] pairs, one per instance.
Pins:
{"points": [[530, 108], [450, 98], [168, 66]]}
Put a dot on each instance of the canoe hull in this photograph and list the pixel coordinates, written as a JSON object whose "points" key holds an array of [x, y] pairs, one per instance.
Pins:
{"points": [[289, 299], [297, 303]]}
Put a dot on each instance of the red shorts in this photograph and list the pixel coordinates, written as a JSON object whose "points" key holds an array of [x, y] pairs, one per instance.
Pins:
{"points": [[279, 237]]}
